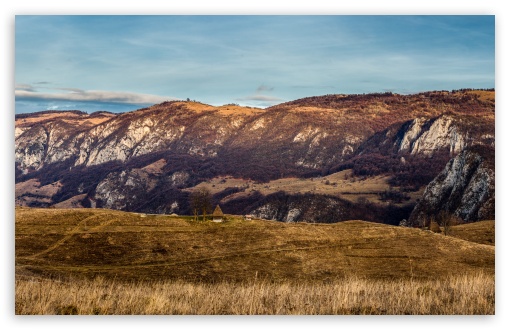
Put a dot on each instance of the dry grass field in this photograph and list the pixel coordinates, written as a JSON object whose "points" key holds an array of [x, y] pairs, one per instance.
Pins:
{"points": [[462, 294], [341, 184], [112, 262], [483, 232]]}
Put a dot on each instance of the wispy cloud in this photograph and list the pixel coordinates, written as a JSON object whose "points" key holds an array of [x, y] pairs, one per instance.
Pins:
{"points": [[24, 87], [27, 92], [70, 89], [259, 97], [264, 88]]}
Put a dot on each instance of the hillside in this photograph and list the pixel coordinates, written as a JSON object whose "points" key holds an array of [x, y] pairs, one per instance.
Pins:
{"points": [[483, 232], [390, 146], [86, 242]]}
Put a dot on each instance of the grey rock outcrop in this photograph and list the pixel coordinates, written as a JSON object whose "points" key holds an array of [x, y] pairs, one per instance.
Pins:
{"points": [[465, 188]]}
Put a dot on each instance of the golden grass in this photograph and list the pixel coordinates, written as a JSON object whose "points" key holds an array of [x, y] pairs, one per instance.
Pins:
{"points": [[68, 117], [228, 110], [92, 242], [483, 232], [112, 262], [196, 106], [461, 294], [484, 95]]}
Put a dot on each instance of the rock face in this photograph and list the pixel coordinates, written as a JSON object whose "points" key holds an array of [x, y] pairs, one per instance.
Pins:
{"points": [[147, 160], [125, 190], [296, 134], [118, 189], [51, 136], [295, 208], [188, 128], [427, 136], [465, 188], [314, 208]]}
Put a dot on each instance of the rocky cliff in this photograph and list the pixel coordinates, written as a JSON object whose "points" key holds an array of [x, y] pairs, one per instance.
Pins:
{"points": [[314, 208], [148, 159], [427, 136], [465, 188]]}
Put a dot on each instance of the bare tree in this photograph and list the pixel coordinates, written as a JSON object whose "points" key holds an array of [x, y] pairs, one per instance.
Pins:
{"points": [[194, 202], [200, 202], [447, 220]]}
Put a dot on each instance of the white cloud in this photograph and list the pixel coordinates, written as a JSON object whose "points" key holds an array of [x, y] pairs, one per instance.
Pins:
{"points": [[24, 87], [259, 97], [24, 91]]}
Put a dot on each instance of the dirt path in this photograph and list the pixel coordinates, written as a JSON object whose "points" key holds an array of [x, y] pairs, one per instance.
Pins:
{"points": [[70, 234], [184, 262]]}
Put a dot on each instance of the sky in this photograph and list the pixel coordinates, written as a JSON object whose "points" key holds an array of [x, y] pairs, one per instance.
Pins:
{"points": [[122, 63]]}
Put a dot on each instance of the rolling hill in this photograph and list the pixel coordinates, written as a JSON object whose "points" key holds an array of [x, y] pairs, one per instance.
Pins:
{"points": [[92, 242]]}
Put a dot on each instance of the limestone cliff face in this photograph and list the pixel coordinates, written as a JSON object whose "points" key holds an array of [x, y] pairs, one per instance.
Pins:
{"points": [[120, 189], [145, 159], [301, 134], [433, 135], [130, 189], [308, 208], [194, 129], [465, 188], [427, 136], [314, 208], [52, 136], [31, 148]]}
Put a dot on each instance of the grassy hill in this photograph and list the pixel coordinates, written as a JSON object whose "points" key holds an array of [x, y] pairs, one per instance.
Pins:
{"points": [[483, 232], [132, 246]]}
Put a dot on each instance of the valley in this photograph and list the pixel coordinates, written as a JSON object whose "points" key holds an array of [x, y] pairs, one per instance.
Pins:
{"points": [[342, 184]]}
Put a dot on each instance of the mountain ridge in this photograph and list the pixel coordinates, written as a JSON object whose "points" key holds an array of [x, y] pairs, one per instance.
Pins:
{"points": [[403, 136]]}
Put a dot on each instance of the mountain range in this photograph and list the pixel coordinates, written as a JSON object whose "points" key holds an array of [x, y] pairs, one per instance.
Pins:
{"points": [[380, 157]]}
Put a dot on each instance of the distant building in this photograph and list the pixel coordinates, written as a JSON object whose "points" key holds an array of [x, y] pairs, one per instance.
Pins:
{"points": [[217, 215], [248, 217]]}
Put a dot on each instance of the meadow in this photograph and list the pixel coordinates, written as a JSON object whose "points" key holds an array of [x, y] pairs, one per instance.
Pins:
{"points": [[95, 261], [462, 294]]}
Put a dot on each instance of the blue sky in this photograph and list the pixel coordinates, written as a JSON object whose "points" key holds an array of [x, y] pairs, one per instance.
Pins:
{"points": [[122, 63]]}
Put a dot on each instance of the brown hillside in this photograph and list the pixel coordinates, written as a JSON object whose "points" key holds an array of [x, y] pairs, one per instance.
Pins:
{"points": [[483, 232], [341, 184], [73, 118], [389, 105], [92, 242]]}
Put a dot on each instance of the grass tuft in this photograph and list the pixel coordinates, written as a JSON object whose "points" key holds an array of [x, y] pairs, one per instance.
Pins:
{"points": [[463, 294]]}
